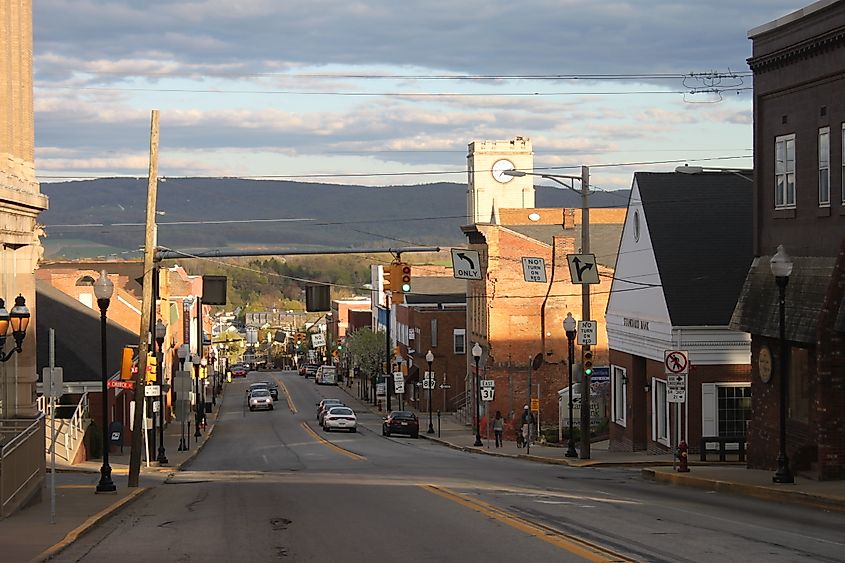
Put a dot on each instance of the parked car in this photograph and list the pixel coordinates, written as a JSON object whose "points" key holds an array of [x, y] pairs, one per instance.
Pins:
{"points": [[326, 375], [325, 405], [260, 399], [340, 418], [401, 422], [302, 371], [273, 388], [311, 370]]}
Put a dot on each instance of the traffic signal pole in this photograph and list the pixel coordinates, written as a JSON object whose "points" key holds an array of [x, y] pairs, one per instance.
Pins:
{"points": [[388, 377], [585, 312]]}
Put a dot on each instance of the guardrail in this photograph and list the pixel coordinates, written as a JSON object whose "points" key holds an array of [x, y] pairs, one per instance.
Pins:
{"points": [[71, 430], [22, 461]]}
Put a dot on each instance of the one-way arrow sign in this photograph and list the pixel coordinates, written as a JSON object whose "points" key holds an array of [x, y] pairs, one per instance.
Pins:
{"points": [[583, 269]]}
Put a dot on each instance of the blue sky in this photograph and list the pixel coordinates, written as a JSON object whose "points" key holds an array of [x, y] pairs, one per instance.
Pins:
{"points": [[380, 92]]}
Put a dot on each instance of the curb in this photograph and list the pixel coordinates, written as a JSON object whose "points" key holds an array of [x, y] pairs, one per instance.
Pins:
{"points": [[809, 500], [86, 526]]}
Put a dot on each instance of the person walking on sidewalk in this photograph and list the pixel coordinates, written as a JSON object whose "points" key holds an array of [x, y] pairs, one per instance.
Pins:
{"points": [[527, 421], [498, 428]]}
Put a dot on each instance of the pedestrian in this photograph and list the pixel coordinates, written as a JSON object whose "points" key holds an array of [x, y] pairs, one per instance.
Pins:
{"points": [[516, 422], [498, 428], [527, 421]]}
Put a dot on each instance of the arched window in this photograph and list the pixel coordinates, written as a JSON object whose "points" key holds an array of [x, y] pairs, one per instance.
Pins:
{"points": [[85, 280]]}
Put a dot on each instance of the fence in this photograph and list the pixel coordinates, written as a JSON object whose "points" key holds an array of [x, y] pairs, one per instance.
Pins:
{"points": [[22, 461]]}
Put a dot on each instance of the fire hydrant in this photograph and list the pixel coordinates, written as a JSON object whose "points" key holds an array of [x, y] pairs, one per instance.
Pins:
{"points": [[683, 466]]}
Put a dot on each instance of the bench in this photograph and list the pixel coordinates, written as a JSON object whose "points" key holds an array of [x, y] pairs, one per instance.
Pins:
{"points": [[723, 441]]}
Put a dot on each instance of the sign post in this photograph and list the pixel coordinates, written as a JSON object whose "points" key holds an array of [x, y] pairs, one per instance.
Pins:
{"points": [[676, 364]]}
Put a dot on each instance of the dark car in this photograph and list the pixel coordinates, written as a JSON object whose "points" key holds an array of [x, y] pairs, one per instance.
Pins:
{"points": [[401, 422], [273, 388], [311, 370]]}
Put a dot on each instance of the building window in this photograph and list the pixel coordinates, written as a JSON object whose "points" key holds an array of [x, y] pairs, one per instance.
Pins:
{"points": [[785, 171], [734, 403], [619, 384], [85, 281], [434, 333], [660, 412], [824, 167], [459, 338]]}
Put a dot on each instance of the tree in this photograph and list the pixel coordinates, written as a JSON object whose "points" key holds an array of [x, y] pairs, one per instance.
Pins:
{"points": [[366, 349]]}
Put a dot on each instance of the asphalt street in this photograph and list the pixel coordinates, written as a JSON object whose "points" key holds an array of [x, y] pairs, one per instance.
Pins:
{"points": [[273, 486]]}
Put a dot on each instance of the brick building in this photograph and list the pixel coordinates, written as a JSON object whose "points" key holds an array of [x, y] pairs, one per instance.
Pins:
{"points": [[685, 248], [799, 202]]}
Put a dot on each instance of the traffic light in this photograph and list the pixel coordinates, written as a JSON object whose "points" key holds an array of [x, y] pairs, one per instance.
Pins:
{"points": [[588, 363], [126, 363], [404, 277], [152, 373], [390, 277]]}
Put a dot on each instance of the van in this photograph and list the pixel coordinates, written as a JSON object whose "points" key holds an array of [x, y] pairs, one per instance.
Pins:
{"points": [[326, 375]]}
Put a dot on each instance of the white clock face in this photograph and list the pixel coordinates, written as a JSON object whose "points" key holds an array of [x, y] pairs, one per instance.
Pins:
{"points": [[499, 168]]}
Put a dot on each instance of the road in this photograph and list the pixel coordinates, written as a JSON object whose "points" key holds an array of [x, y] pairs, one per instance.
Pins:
{"points": [[272, 486]]}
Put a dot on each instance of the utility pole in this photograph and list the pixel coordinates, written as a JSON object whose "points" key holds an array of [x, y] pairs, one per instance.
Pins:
{"points": [[388, 357], [585, 312], [147, 306]]}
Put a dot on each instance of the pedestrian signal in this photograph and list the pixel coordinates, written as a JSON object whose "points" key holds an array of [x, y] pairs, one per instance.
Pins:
{"points": [[152, 372]]}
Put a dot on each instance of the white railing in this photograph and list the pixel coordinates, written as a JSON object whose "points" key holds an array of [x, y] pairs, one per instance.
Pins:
{"points": [[70, 431]]}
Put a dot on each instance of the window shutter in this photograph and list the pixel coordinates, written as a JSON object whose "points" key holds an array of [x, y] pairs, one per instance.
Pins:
{"points": [[709, 423]]}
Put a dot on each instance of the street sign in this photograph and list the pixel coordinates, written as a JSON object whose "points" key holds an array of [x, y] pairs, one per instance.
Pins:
{"points": [[676, 362], [534, 269], [318, 339], [487, 393], [487, 383], [117, 384], [381, 389], [583, 268], [53, 381], [399, 387], [428, 384], [466, 264], [600, 375], [445, 386], [535, 405], [398, 377], [676, 388], [151, 390], [155, 406], [588, 332]]}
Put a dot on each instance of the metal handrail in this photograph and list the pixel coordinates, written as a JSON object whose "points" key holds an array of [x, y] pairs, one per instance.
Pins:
{"points": [[16, 475], [72, 429]]}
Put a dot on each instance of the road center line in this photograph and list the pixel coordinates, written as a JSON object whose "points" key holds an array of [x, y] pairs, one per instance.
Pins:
{"points": [[577, 546], [291, 406], [330, 445]]}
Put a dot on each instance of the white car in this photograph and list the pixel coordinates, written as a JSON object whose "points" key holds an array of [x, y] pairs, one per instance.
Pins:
{"points": [[340, 418], [260, 399]]}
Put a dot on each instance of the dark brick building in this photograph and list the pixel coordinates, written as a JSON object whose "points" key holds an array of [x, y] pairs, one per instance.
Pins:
{"points": [[799, 202]]}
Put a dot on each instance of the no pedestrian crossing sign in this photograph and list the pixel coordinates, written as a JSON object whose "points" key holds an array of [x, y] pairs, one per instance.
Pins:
{"points": [[676, 362]]}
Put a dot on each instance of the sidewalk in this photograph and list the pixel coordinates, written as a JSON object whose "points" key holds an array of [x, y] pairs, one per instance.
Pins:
{"points": [[28, 535], [731, 477]]}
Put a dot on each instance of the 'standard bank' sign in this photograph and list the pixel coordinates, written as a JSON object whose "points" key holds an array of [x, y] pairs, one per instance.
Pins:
{"points": [[634, 323]]}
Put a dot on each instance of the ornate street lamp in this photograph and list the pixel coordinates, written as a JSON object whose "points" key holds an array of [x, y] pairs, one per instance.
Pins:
{"points": [[781, 265], [160, 332], [569, 325], [476, 353], [103, 290], [19, 320], [182, 354], [429, 357]]}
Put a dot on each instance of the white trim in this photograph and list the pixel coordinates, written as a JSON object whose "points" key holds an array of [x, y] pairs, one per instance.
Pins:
{"points": [[128, 304], [824, 132], [783, 169], [659, 407]]}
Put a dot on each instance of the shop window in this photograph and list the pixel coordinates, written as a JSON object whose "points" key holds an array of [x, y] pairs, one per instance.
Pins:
{"points": [[734, 404]]}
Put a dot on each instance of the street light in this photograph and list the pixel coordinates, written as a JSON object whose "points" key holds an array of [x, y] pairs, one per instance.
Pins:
{"points": [[19, 319], [429, 357], [182, 354], [195, 359], [569, 326], [584, 178], [476, 353], [203, 370], [741, 172], [160, 332], [781, 265], [103, 290]]}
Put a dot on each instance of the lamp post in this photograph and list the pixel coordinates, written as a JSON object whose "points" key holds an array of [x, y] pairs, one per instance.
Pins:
{"points": [[160, 331], [476, 353], [584, 178], [103, 290], [203, 370], [195, 360], [19, 319], [781, 265], [182, 354], [569, 326], [429, 357]]}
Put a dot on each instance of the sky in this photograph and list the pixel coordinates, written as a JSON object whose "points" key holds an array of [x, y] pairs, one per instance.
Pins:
{"points": [[387, 92]]}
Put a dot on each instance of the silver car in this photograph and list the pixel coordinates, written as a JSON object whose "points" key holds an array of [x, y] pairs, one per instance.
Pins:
{"points": [[260, 399]]}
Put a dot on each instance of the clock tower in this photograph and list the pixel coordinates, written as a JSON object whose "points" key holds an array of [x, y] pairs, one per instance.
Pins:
{"points": [[489, 189]]}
